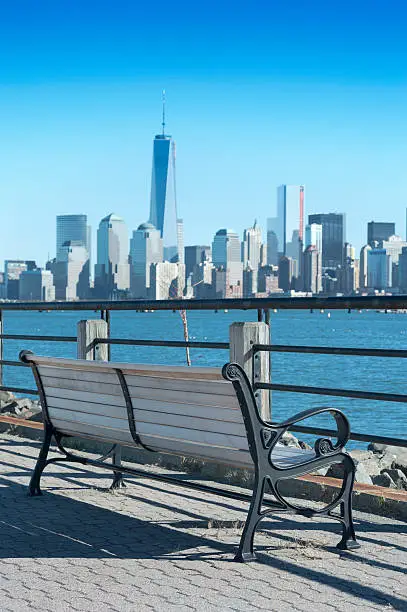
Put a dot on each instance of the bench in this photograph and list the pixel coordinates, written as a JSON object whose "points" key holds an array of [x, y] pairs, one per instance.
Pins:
{"points": [[204, 413]]}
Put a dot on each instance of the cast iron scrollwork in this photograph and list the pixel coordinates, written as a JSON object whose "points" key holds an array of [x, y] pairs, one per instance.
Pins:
{"points": [[323, 446]]}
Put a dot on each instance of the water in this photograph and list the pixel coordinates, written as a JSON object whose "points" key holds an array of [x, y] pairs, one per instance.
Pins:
{"points": [[362, 330]]}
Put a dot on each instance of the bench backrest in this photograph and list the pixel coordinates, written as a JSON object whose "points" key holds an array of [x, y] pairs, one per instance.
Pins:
{"points": [[187, 411]]}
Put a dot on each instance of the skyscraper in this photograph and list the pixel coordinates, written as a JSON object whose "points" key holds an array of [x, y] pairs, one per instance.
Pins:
{"points": [[226, 254], [379, 269], [72, 228], [333, 238], [146, 248], [313, 236], [290, 215], [163, 200], [71, 271], [112, 268], [378, 231]]}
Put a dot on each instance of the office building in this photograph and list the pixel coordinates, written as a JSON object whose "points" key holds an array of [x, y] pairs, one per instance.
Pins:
{"points": [[379, 269], [333, 238], [363, 275], [194, 255], [167, 280], [286, 273], [272, 241], [226, 252], [393, 246], [313, 236], [348, 273], [146, 248], [36, 285], [163, 200], [73, 228], [112, 270], [71, 272], [252, 247], [290, 221], [267, 280], [378, 231], [13, 269], [312, 273]]}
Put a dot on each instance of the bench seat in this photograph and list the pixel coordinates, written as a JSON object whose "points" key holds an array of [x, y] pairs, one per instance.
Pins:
{"points": [[195, 412]]}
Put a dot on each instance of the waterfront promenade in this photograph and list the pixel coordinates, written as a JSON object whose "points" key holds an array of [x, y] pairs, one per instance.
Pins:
{"points": [[155, 546]]}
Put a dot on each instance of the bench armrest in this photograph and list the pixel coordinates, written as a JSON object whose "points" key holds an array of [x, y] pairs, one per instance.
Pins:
{"points": [[322, 446]]}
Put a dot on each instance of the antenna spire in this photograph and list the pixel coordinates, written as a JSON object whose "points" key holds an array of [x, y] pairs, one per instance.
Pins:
{"points": [[163, 122]]}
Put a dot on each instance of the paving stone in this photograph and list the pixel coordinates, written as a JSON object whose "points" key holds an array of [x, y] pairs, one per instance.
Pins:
{"points": [[155, 546]]}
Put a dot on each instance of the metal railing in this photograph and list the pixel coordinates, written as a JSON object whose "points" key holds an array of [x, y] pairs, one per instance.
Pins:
{"points": [[335, 392], [262, 309]]}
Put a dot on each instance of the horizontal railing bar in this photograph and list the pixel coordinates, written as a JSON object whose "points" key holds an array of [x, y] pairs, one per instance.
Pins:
{"points": [[18, 364], [19, 390], [41, 338], [381, 397], [169, 343], [361, 437], [327, 350], [365, 302]]}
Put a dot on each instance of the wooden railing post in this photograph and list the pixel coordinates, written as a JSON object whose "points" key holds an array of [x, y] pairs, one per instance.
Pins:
{"points": [[242, 336], [87, 332]]}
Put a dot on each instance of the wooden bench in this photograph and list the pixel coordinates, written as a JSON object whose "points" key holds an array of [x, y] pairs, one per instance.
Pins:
{"points": [[197, 412]]}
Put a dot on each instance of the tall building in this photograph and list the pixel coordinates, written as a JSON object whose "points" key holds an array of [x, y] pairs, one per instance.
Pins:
{"points": [[363, 275], [333, 238], [272, 241], [72, 228], [226, 252], [394, 246], [112, 270], [252, 247], [194, 256], [163, 199], [286, 273], [71, 272], [290, 221], [378, 231], [379, 269], [12, 272], [402, 272], [313, 236], [146, 248], [312, 274], [37, 285]]}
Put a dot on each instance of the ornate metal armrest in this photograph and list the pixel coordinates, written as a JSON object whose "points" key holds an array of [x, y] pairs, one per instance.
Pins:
{"points": [[322, 446]]}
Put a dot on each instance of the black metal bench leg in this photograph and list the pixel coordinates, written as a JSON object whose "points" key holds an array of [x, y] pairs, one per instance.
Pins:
{"points": [[34, 486], [118, 481], [348, 541], [246, 552]]}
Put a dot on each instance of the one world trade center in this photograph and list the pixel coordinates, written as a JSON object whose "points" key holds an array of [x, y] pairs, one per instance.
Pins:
{"points": [[163, 202]]}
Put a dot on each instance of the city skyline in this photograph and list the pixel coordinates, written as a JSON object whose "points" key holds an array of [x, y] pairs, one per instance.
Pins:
{"points": [[299, 95]]}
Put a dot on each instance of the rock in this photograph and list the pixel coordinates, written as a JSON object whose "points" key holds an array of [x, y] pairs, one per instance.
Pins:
{"points": [[289, 440], [391, 456], [384, 480], [21, 407], [398, 477], [361, 474]]}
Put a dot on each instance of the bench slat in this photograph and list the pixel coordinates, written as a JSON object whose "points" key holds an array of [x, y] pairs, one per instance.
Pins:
{"points": [[87, 418], [84, 396], [218, 387], [75, 406], [71, 374], [214, 413], [94, 432], [179, 397], [80, 385]]}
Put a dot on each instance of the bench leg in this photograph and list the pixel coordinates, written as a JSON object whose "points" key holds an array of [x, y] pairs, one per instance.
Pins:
{"points": [[348, 541], [118, 481], [34, 486], [246, 552]]}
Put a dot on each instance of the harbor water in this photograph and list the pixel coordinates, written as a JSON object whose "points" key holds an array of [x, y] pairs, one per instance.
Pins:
{"points": [[367, 329]]}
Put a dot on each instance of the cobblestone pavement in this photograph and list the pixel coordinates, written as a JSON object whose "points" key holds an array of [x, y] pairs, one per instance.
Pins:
{"points": [[161, 547]]}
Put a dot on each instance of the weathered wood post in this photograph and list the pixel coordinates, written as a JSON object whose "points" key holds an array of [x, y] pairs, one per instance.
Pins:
{"points": [[87, 332], [242, 336], [1, 348]]}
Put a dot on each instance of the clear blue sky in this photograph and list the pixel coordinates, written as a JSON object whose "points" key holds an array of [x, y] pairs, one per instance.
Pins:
{"points": [[259, 93]]}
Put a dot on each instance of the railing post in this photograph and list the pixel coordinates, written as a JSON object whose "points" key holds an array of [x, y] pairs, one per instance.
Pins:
{"points": [[257, 366], [88, 331]]}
